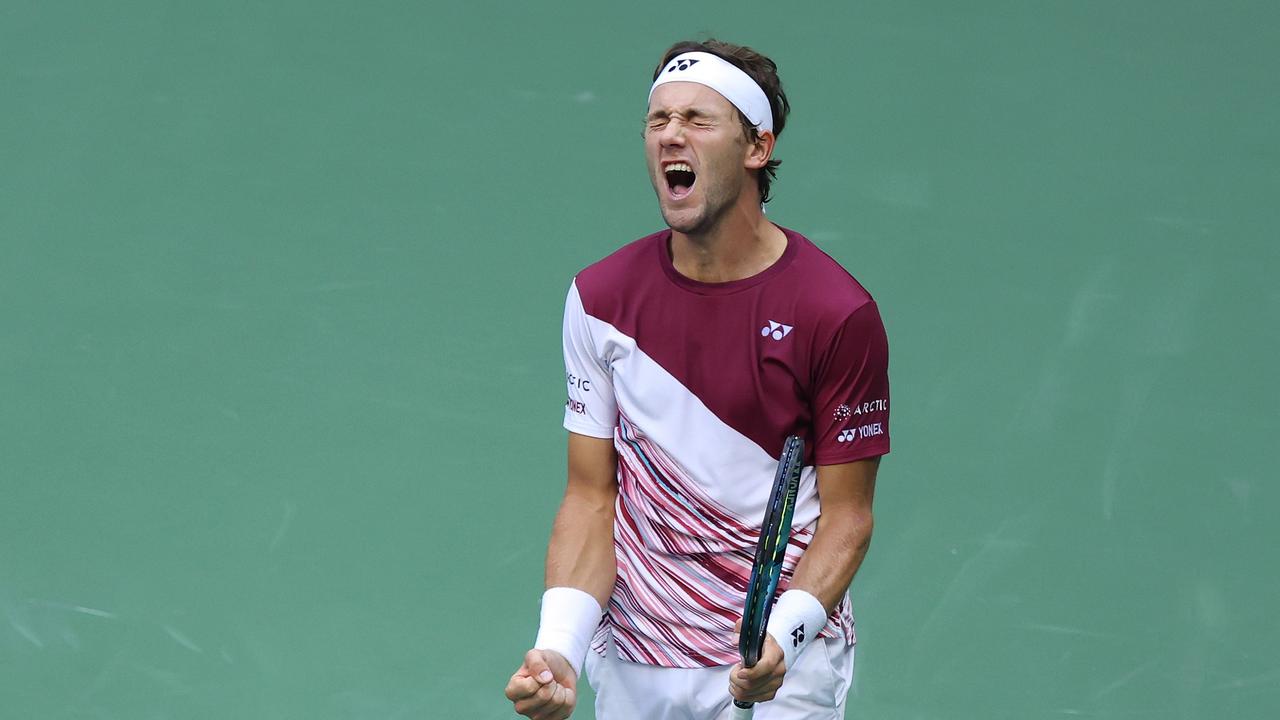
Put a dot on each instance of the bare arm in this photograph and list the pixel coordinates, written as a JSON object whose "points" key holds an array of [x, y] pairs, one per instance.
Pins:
{"points": [[827, 567], [581, 554], [844, 531]]}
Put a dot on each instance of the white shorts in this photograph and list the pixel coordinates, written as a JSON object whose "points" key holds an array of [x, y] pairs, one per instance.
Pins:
{"points": [[814, 689]]}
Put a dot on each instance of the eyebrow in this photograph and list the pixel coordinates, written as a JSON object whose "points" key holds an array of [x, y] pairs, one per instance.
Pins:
{"points": [[692, 112]]}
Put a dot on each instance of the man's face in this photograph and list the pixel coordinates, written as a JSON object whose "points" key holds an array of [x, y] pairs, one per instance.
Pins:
{"points": [[695, 149]]}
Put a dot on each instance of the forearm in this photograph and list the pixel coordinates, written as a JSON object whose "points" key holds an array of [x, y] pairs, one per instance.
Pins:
{"points": [[821, 577], [581, 563], [581, 553], [833, 557]]}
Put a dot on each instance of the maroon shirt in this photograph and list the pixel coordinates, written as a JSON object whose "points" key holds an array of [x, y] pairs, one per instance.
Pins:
{"points": [[698, 384], [798, 348]]}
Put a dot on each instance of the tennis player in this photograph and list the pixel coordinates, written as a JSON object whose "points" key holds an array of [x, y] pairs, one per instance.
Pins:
{"points": [[690, 355]]}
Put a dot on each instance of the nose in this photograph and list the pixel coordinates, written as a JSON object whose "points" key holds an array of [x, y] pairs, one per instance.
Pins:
{"points": [[672, 134]]}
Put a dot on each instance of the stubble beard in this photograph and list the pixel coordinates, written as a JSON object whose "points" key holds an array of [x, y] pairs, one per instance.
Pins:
{"points": [[705, 218]]}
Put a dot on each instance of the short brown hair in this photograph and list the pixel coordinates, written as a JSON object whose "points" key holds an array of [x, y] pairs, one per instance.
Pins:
{"points": [[765, 73]]}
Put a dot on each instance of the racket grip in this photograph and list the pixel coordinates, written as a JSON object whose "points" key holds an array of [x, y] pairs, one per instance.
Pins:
{"points": [[742, 711]]}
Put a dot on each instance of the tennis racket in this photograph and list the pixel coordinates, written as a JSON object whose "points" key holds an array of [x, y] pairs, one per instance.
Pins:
{"points": [[767, 570]]}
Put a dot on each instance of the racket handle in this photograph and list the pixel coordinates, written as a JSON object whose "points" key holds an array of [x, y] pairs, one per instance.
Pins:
{"points": [[742, 711]]}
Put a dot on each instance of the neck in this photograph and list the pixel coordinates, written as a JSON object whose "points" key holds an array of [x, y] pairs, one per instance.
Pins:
{"points": [[741, 244]]}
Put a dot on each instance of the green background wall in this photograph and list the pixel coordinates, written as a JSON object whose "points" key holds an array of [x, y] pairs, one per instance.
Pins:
{"points": [[280, 293]]}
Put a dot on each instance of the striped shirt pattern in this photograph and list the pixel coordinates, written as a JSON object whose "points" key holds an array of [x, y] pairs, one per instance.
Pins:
{"points": [[683, 565]]}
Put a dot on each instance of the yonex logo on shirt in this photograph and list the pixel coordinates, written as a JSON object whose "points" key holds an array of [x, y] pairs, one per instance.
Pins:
{"points": [[865, 431], [776, 330]]}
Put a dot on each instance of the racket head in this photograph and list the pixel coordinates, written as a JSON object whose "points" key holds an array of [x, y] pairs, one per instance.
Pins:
{"points": [[771, 550]]}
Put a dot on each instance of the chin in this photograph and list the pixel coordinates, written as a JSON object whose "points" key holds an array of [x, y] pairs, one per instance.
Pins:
{"points": [[688, 218], [683, 222]]}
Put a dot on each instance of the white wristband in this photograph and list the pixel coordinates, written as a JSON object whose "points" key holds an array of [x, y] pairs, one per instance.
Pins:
{"points": [[796, 620], [569, 620]]}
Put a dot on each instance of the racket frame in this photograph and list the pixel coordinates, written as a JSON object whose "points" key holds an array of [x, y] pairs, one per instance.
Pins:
{"points": [[771, 550]]}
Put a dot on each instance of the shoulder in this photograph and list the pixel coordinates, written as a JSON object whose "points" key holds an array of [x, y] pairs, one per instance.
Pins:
{"points": [[823, 286], [633, 265]]}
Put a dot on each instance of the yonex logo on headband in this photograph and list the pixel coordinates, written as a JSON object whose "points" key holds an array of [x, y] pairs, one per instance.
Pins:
{"points": [[725, 78]]}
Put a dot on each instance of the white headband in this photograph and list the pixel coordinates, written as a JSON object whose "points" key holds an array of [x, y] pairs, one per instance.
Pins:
{"points": [[725, 78]]}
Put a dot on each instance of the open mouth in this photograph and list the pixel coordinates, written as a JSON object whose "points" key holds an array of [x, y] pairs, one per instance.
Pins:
{"points": [[680, 179]]}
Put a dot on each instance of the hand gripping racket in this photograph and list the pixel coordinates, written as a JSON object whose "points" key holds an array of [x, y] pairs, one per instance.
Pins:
{"points": [[767, 570]]}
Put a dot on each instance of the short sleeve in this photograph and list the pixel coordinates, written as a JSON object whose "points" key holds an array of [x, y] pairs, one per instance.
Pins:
{"points": [[591, 408], [851, 398]]}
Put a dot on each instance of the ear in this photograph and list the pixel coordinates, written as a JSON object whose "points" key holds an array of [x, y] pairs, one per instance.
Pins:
{"points": [[759, 152]]}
